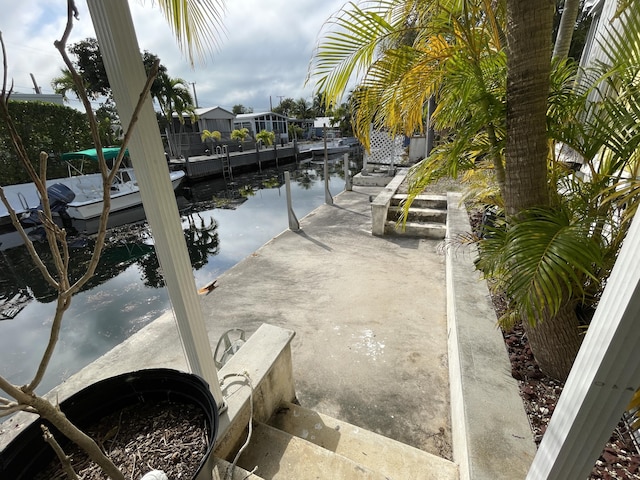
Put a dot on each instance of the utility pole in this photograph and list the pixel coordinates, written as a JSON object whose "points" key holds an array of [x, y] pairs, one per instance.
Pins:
{"points": [[35, 84], [195, 95]]}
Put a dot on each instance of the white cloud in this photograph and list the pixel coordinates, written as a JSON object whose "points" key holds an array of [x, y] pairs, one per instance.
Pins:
{"points": [[262, 56]]}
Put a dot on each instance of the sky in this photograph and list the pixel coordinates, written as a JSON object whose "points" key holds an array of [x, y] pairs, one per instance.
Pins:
{"points": [[262, 57]]}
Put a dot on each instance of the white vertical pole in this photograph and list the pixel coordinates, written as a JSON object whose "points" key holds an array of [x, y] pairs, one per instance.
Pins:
{"points": [[294, 225], [328, 199], [347, 179], [603, 379], [123, 63]]}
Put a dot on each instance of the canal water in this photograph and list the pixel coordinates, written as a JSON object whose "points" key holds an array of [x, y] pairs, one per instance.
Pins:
{"points": [[223, 222]]}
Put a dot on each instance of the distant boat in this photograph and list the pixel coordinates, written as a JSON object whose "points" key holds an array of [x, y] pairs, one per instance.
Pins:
{"points": [[334, 147], [79, 196]]}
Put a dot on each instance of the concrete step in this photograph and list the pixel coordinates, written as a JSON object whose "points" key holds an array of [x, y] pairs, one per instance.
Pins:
{"points": [[416, 229], [281, 456], [434, 215], [421, 201], [221, 467], [392, 459]]}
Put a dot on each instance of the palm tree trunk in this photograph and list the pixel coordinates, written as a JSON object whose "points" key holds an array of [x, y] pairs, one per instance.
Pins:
{"points": [[555, 341], [529, 26], [565, 31]]}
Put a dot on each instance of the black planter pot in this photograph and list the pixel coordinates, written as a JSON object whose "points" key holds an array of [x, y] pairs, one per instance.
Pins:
{"points": [[28, 454]]}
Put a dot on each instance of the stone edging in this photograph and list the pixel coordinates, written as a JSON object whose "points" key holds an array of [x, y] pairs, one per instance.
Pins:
{"points": [[491, 435]]}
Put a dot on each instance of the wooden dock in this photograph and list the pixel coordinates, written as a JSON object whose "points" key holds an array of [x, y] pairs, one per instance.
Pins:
{"points": [[202, 166]]}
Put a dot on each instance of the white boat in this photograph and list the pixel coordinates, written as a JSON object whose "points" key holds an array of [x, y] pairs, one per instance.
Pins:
{"points": [[85, 201]]}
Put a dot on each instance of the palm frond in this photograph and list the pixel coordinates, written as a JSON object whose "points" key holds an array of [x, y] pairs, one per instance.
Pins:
{"points": [[543, 257], [196, 24]]}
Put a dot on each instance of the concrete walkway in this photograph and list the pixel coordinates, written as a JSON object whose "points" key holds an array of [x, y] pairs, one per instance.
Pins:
{"points": [[369, 315]]}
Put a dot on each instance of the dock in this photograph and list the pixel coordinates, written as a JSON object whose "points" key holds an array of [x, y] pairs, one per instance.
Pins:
{"points": [[225, 163]]}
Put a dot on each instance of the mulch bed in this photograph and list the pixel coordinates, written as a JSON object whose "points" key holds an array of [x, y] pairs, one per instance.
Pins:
{"points": [[619, 459], [141, 438]]}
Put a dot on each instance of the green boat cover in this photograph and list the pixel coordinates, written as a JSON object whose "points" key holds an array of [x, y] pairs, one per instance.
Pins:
{"points": [[108, 152]]}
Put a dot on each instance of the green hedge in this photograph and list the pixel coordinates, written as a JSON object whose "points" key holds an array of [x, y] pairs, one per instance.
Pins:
{"points": [[43, 127]]}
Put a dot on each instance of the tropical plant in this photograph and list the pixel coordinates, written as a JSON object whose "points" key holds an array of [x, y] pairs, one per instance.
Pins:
{"points": [[266, 137], [302, 109], [64, 84], [295, 131], [213, 137], [174, 97], [452, 49], [24, 397], [240, 134], [408, 51], [597, 210]]}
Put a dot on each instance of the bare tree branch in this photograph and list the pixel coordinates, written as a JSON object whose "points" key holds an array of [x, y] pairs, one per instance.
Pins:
{"points": [[25, 397], [63, 457]]}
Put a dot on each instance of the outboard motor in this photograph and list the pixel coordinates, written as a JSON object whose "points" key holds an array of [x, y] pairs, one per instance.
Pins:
{"points": [[59, 197]]}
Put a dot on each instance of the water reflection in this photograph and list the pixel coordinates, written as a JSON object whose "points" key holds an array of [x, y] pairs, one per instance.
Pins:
{"points": [[223, 222]]}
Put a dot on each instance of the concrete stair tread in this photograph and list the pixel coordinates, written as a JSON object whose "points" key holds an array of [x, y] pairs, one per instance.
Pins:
{"points": [[220, 467], [423, 210], [437, 225], [435, 201], [279, 455], [416, 229], [392, 459], [423, 196]]}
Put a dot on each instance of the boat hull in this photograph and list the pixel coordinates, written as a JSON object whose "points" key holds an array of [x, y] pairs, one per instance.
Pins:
{"points": [[122, 199], [88, 203]]}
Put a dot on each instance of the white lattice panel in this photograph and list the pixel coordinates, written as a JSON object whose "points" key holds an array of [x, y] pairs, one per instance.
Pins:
{"points": [[385, 149]]}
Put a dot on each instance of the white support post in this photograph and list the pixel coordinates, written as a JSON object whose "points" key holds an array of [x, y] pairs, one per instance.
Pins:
{"points": [[123, 63], [603, 379], [328, 199], [294, 225], [347, 178]]}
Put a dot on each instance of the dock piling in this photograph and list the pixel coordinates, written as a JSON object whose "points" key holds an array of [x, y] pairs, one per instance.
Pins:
{"points": [[294, 225]]}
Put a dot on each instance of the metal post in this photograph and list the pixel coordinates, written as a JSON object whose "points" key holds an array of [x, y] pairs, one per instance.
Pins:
{"points": [[328, 199], [294, 225], [121, 54], [275, 152], [347, 178], [226, 152]]}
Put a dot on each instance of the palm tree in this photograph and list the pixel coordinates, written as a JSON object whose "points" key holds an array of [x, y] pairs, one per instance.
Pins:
{"points": [[446, 48], [302, 109], [563, 253], [173, 96], [214, 136], [266, 137], [64, 84], [455, 51], [570, 11]]}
